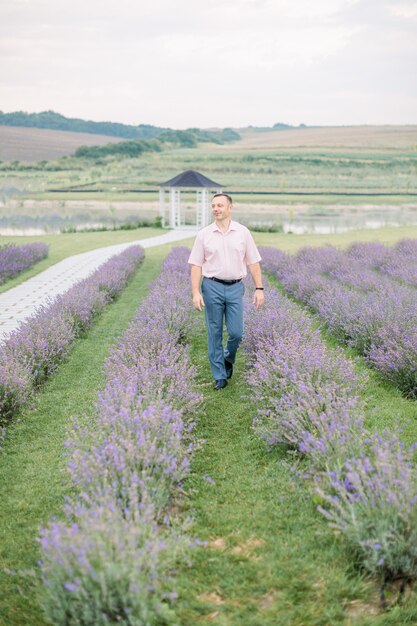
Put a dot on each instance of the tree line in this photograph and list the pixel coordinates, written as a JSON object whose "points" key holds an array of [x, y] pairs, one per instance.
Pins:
{"points": [[55, 121], [183, 138]]}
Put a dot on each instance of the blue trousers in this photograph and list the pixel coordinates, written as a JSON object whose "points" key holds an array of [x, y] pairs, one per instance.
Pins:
{"points": [[223, 302]]}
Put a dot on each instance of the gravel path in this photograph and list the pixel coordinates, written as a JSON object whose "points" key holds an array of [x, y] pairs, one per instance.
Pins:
{"points": [[19, 303]]}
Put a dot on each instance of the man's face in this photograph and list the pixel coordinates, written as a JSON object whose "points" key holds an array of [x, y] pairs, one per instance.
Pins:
{"points": [[221, 208]]}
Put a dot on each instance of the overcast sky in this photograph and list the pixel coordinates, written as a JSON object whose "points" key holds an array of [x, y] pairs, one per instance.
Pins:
{"points": [[205, 63]]}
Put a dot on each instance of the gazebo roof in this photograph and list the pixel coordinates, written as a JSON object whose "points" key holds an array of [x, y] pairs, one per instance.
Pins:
{"points": [[191, 178]]}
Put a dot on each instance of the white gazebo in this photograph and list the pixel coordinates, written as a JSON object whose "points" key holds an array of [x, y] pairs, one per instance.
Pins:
{"points": [[170, 198]]}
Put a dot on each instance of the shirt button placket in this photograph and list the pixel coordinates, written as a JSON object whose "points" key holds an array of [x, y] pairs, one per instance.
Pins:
{"points": [[226, 256]]}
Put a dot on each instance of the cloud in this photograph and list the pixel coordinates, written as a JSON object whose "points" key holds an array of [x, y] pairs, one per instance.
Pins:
{"points": [[405, 10], [223, 62]]}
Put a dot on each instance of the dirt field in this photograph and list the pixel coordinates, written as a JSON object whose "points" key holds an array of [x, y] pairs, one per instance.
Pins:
{"points": [[372, 137], [38, 144]]}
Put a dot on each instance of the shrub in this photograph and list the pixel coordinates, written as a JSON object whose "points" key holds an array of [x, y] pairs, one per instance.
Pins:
{"points": [[109, 567], [372, 501], [307, 395], [15, 259]]}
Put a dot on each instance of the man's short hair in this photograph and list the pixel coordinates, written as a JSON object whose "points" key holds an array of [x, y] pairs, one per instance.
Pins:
{"points": [[226, 195]]}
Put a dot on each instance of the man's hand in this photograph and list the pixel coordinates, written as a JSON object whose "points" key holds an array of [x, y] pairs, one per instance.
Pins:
{"points": [[258, 298], [198, 301], [195, 287]]}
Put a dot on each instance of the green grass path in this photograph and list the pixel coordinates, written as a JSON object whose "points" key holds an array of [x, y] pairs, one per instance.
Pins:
{"points": [[270, 559], [33, 478]]}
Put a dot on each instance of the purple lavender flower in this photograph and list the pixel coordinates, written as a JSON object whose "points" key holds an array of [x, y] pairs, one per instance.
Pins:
{"points": [[15, 259]]}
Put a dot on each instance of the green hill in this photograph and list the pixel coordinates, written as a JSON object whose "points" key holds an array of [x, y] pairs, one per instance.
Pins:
{"points": [[55, 121]]}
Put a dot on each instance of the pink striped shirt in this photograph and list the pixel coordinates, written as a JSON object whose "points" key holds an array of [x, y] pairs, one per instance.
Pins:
{"points": [[224, 255]]}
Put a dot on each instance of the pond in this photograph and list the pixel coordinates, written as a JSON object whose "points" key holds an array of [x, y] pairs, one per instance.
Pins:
{"points": [[38, 219], [338, 222]]}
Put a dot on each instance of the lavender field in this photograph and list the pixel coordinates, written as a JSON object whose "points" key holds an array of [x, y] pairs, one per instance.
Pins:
{"points": [[309, 399], [366, 296], [34, 351], [289, 498]]}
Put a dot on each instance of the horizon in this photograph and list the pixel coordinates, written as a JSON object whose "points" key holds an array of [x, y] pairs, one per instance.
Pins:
{"points": [[244, 62], [296, 126]]}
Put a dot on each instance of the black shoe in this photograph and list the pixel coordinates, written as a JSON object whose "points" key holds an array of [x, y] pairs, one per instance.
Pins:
{"points": [[229, 368], [220, 384]]}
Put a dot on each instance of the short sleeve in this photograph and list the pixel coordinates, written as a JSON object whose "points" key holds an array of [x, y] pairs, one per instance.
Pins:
{"points": [[197, 252], [252, 253]]}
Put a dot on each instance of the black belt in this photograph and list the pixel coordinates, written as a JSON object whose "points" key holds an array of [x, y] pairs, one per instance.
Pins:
{"points": [[224, 282]]}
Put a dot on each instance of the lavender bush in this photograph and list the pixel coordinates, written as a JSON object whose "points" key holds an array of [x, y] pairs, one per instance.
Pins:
{"points": [[111, 561], [129, 446], [110, 567], [370, 253], [172, 285], [372, 501], [398, 262], [15, 386], [32, 352], [15, 259], [308, 396], [393, 352], [153, 361], [407, 247]]}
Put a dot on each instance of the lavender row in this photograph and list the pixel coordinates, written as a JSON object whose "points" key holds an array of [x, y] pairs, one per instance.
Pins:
{"points": [[369, 266], [112, 561], [308, 399], [35, 350], [398, 262], [379, 319], [15, 259], [308, 396], [372, 502]]}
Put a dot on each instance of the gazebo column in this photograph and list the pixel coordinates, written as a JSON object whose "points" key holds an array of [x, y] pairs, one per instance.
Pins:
{"points": [[200, 208], [175, 207], [162, 206], [203, 210], [205, 207]]}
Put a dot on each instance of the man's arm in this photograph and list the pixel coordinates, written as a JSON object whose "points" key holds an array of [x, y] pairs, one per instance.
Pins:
{"points": [[256, 273], [195, 286]]}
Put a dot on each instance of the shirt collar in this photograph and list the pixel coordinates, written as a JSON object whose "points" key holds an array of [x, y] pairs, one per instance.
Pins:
{"points": [[232, 226]]}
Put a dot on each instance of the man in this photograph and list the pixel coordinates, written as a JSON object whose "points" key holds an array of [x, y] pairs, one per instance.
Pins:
{"points": [[221, 253]]}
